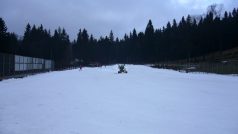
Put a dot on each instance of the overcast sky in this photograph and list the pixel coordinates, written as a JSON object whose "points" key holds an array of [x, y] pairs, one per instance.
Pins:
{"points": [[100, 16]]}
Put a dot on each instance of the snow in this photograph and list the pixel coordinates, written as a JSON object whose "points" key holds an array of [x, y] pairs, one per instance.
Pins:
{"points": [[99, 101]]}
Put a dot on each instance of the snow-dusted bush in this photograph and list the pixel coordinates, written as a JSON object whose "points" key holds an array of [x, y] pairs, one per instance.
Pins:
{"points": [[122, 69]]}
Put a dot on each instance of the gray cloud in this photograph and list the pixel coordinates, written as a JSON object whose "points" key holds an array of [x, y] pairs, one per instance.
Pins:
{"points": [[100, 16]]}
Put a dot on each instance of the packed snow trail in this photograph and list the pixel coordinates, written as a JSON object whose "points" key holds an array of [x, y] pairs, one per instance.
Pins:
{"points": [[99, 101]]}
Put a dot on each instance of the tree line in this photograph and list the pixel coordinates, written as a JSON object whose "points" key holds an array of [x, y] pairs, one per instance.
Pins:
{"points": [[190, 37]]}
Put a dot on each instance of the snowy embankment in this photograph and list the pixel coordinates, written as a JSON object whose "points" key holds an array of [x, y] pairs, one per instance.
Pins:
{"points": [[99, 101]]}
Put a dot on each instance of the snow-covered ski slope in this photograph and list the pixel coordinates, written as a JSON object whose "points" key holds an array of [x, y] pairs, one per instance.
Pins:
{"points": [[99, 101]]}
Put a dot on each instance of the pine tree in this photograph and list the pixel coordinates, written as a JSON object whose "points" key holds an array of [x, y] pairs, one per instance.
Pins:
{"points": [[27, 33], [168, 26], [149, 31], [111, 37], [148, 45], [3, 30], [85, 37], [79, 37], [134, 34], [174, 24]]}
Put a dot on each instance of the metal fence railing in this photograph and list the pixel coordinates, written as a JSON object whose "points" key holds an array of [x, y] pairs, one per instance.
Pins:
{"points": [[11, 65], [222, 67]]}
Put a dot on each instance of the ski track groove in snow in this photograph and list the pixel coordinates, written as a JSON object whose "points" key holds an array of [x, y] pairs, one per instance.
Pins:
{"points": [[100, 101]]}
